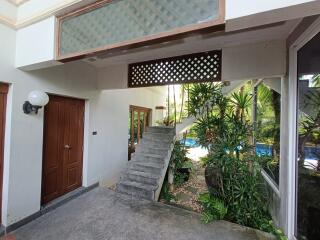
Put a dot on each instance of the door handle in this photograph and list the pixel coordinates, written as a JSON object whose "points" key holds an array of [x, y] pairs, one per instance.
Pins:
{"points": [[67, 146]]}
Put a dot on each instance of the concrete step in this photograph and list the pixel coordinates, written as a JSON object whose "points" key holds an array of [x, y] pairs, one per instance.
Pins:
{"points": [[152, 150], [136, 189], [146, 171], [146, 167], [158, 136], [155, 143], [142, 177], [148, 157], [167, 130]]}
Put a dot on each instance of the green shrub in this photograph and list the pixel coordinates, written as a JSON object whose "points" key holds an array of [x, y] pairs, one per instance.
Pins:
{"points": [[178, 161], [225, 131], [165, 191], [214, 209], [179, 178]]}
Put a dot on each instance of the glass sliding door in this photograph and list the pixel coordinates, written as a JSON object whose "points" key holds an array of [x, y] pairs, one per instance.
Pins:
{"points": [[139, 118], [308, 144]]}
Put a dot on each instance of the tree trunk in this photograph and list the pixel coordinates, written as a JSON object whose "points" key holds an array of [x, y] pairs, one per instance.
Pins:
{"points": [[175, 106], [182, 101], [276, 104]]}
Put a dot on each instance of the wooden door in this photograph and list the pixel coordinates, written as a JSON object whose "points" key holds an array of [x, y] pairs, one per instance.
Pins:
{"points": [[138, 121], [63, 147], [3, 105]]}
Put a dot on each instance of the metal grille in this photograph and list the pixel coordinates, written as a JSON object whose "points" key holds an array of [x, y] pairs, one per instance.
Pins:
{"points": [[193, 68]]}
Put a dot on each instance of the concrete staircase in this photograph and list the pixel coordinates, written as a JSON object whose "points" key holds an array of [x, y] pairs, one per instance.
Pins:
{"points": [[145, 173]]}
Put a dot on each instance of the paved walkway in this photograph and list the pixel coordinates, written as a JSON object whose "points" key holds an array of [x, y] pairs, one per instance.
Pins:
{"points": [[102, 214]]}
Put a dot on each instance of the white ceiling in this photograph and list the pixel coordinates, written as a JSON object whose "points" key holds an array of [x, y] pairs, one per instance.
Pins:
{"points": [[194, 44]]}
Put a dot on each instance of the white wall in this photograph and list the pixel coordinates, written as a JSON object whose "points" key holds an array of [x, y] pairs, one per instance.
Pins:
{"points": [[245, 14], [32, 11], [33, 7], [37, 7], [23, 160], [108, 115], [114, 123], [8, 10], [108, 109], [35, 44], [113, 77], [109, 148], [266, 59], [236, 8]]}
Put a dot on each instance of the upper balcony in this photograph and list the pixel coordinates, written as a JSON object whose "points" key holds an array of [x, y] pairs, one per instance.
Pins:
{"points": [[89, 29], [107, 24]]}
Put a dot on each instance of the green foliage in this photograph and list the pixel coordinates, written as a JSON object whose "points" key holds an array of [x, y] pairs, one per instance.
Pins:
{"points": [[309, 126], [316, 80], [225, 131], [178, 161], [178, 155], [268, 116], [214, 209], [242, 189], [267, 128], [201, 94], [179, 178], [270, 227], [242, 102], [188, 164], [165, 191], [270, 166]]}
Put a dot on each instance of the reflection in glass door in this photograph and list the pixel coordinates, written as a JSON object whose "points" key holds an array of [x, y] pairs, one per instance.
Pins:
{"points": [[139, 118], [308, 145]]}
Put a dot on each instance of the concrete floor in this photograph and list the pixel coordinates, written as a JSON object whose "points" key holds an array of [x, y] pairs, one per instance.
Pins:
{"points": [[102, 214]]}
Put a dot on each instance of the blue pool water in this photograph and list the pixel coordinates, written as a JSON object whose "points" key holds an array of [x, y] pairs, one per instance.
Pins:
{"points": [[190, 142], [263, 149], [311, 153]]}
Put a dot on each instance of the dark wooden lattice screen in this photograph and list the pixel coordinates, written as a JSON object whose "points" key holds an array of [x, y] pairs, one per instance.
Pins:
{"points": [[193, 68]]}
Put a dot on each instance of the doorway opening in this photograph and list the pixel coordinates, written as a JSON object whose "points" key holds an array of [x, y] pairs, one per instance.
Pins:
{"points": [[139, 119], [3, 104]]}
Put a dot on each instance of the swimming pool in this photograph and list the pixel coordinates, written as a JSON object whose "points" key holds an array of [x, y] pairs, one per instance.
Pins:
{"points": [[311, 153], [190, 142], [263, 149]]}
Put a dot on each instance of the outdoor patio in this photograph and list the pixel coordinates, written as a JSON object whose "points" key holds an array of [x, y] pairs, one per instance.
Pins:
{"points": [[103, 214]]}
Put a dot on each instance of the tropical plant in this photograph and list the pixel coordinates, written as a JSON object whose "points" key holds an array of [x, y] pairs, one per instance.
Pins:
{"points": [[226, 132], [316, 80], [214, 209], [309, 125], [267, 127], [242, 188], [201, 95], [179, 161], [242, 102]]}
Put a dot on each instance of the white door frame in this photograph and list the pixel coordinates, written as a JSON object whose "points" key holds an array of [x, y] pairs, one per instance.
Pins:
{"points": [[291, 201]]}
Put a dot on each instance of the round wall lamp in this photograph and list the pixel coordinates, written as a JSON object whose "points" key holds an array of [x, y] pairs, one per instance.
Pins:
{"points": [[36, 100]]}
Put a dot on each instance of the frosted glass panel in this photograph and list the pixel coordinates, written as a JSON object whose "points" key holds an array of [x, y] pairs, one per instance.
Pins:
{"points": [[123, 20]]}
